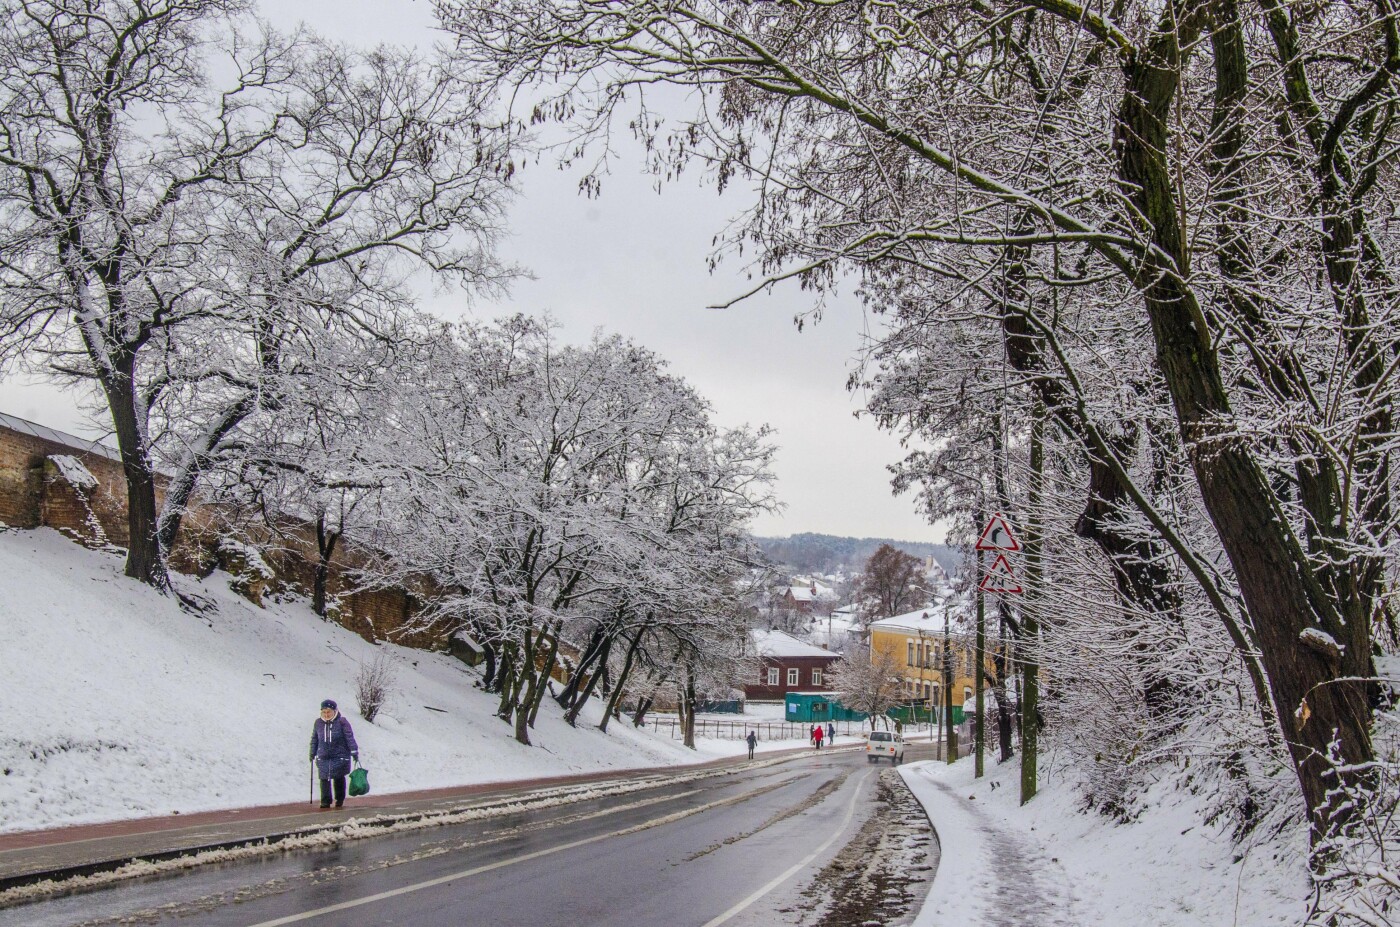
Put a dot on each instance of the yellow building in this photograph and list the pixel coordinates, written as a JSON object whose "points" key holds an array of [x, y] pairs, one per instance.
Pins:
{"points": [[915, 643]]}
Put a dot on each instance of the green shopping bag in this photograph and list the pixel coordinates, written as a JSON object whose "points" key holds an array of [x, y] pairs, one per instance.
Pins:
{"points": [[359, 781]]}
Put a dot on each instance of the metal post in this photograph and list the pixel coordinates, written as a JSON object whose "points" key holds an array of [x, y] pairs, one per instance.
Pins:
{"points": [[948, 751], [979, 682]]}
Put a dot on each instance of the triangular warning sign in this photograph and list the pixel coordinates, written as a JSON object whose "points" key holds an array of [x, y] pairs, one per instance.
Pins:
{"points": [[1000, 578], [997, 535]]}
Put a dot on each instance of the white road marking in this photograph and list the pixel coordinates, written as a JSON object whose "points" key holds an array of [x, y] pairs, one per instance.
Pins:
{"points": [[797, 867], [501, 864]]}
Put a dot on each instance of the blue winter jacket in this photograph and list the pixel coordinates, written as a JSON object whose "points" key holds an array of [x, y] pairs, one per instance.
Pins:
{"points": [[332, 747]]}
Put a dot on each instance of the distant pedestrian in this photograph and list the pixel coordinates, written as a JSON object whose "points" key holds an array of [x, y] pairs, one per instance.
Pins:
{"points": [[332, 748], [752, 741], [830, 733], [819, 732]]}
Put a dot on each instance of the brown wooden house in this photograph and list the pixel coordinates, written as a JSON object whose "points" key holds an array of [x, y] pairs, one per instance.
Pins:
{"points": [[788, 665]]}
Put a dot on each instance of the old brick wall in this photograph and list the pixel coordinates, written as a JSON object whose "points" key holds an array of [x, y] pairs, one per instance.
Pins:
{"points": [[34, 493]]}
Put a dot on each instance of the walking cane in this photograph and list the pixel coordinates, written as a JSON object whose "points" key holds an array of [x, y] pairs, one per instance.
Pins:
{"points": [[312, 799]]}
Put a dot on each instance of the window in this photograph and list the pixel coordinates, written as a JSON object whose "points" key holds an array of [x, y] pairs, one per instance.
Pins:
{"points": [[792, 677], [967, 694], [772, 675], [928, 692], [816, 677], [967, 661], [911, 653]]}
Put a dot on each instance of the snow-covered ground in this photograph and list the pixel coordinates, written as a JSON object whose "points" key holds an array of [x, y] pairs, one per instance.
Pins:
{"points": [[1051, 865], [115, 703]]}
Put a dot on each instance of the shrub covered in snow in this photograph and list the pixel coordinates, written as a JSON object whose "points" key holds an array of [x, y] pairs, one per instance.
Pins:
{"points": [[374, 685]]}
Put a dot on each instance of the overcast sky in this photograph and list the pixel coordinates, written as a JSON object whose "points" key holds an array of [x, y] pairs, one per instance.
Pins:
{"points": [[634, 261]]}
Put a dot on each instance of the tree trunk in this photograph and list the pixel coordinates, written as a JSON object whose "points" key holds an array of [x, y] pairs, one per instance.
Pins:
{"points": [[145, 561], [590, 654], [1316, 701], [621, 683], [688, 701], [180, 490], [1028, 651], [325, 548], [582, 698], [548, 672], [639, 717], [488, 675], [527, 682]]}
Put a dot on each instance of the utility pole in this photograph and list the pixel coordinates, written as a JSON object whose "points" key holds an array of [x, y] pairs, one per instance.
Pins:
{"points": [[950, 747], [922, 658], [979, 675]]}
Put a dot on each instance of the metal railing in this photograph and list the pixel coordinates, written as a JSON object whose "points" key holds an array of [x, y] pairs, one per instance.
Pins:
{"points": [[738, 730]]}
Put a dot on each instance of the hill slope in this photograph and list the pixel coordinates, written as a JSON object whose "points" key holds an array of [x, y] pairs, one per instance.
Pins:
{"points": [[116, 703], [828, 553]]}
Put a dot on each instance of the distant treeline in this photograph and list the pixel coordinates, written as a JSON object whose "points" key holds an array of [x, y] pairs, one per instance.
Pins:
{"points": [[827, 553]]}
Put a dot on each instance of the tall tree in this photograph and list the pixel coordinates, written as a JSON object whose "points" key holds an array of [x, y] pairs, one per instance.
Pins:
{"points": [[939, 145], [183, 239], [892, 583]]}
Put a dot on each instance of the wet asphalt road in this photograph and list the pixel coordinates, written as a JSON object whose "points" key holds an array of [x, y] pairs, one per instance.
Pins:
{"points": [[734, 849]]}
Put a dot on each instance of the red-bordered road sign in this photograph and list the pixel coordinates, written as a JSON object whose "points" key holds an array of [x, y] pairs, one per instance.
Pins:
{"points": [[1000, 578], [997, 535]]}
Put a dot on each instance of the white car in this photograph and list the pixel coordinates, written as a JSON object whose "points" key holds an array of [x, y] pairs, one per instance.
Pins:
{"points": [[883, 743]]}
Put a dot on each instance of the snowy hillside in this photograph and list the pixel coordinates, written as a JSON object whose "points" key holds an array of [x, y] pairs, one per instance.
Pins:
{"points": [[116, 703]]}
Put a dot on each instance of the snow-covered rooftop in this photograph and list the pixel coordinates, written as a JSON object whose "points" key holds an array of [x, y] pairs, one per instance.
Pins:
{"points": [[929, 619], [782, 644]]}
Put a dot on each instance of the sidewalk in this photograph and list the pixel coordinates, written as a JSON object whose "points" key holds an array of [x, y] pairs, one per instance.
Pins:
{"points": [[30, 857], [987, 873]]}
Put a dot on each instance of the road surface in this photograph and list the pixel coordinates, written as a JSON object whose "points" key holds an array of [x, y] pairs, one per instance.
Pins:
{"points": [[824, 840]]}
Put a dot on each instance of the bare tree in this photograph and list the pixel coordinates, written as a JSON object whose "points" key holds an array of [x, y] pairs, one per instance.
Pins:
{"points": [[868, 682], [893, 583], [1104, 189], [186, 243]]}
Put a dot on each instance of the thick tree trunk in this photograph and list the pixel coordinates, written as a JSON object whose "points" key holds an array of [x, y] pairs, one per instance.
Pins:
{"points": [[1139, 563], [145, 561], [1316, 702], [527, 681]]}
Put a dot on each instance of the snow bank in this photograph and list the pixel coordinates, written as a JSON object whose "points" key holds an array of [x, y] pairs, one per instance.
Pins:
{"points": [[118, 704], [1166, 869]]}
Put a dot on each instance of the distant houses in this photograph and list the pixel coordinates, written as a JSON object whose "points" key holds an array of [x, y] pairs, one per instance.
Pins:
{"points": [[808, 597], [787, 664], [917, 641]]}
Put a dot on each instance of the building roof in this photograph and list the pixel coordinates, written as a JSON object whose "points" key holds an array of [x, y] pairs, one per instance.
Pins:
{"points": [[781, 644], [928, 619]]}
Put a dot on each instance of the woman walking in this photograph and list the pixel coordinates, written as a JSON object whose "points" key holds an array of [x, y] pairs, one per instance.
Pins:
{"points": [[332, 748]]}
